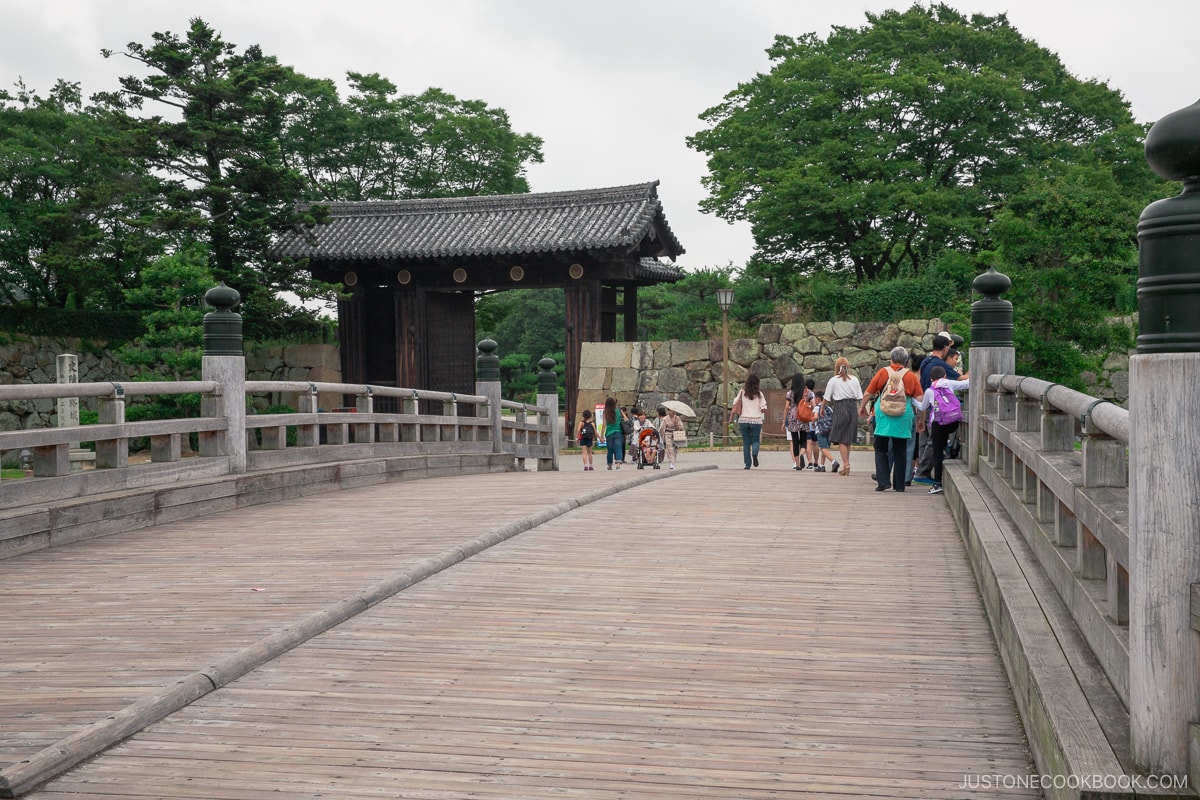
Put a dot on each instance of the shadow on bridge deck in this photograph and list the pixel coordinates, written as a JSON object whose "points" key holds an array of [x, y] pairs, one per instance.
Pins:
{"points": [[720, 633]]}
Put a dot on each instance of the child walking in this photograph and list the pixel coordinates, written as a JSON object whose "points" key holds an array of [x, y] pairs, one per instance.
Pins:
{"points": [[587, 439]]}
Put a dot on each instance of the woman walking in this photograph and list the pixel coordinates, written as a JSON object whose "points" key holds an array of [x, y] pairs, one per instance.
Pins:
{"points": [[750, 407], [614, 437], [795, 428], [666, 432], [844, 391]]}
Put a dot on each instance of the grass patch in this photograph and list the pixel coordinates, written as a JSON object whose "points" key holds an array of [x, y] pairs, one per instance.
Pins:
{"points": [[11, 474]]}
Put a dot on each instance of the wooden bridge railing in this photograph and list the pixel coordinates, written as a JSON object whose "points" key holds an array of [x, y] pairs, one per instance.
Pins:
{"points": [[1057, 460], [527, 431]]}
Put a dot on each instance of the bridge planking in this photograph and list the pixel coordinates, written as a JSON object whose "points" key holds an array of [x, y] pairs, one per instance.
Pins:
{"points": [[741, 642]]}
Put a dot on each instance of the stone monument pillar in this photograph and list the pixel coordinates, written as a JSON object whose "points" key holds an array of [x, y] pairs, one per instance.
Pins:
{"points": [[1164, 471]]}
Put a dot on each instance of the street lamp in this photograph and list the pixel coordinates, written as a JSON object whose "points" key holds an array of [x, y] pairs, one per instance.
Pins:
{"points": [[725, 301]]}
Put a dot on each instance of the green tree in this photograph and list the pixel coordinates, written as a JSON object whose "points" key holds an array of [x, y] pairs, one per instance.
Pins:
{"points": [[76, 219], [218, 147], [172, 296], [871, 151], [687, 309], [378, 145]]}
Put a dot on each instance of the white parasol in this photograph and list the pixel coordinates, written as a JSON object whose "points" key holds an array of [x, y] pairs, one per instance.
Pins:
{"points": [[679, 407]]}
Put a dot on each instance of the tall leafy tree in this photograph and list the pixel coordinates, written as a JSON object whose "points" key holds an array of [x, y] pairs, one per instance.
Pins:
{"points": [[217, 144], [379, 145], [870, 151], [76, 216]]}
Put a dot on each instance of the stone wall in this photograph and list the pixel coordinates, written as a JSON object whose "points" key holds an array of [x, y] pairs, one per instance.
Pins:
{"points": [[646, 373], [32, 360]]}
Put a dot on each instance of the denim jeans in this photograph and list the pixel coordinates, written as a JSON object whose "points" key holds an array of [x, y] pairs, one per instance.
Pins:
{"points": [[751, 436], [616, 446]]}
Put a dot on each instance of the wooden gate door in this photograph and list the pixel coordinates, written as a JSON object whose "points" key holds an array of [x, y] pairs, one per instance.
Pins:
{"points": [[450, 342]]}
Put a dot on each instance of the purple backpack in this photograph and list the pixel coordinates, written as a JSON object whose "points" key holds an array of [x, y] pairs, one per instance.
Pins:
{"points": [[947, 408]]}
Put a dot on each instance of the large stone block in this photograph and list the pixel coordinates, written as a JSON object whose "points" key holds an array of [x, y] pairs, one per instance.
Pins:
{"points": [[844, 330], [743, 351], [775, 350], [861, 358], [914, 327], [769, 333], [820, 328], [641, 355], [793, 332], [648, 380], [624, 380], [819, 363], [686, 352], [809, 345], [606, 354], [673, 379], [593, 378], [763, 368], [784, 367], [662, 355]]}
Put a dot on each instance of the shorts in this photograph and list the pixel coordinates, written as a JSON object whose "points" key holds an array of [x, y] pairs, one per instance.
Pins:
{"points": [[585, 442], [823, 441]]}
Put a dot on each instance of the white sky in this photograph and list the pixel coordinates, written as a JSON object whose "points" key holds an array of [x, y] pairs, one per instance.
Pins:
{"points": [[613, 87]]}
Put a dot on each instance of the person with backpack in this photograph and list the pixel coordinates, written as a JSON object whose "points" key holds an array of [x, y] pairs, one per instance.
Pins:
{"points": [[945, 412], [796, 418], [823, 425], [938, 357], [587, 439], [896, 392]]}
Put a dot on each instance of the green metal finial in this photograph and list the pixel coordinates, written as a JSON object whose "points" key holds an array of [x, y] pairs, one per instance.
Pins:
{"points": [[1168, 249], [991, 317], [222, 327], [487, 363], [547, 378]]}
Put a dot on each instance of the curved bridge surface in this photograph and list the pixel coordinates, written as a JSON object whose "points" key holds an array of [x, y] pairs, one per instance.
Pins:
{"points": [[706, 632]]}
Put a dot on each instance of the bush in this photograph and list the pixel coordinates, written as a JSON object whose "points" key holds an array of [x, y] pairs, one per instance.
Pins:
{"points": [[115, 327]]}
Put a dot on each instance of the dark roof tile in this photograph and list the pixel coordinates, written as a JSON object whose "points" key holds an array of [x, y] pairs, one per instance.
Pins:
{"points": [[616, 218]]}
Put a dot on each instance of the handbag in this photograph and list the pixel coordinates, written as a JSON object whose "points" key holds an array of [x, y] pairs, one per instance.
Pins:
{"points": [[679, 437]]}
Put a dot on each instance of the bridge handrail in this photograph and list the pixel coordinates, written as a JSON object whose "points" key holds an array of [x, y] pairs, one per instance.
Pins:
{"points": [[361, 390], [1058, 460], [1102, 415], [62, 391]]}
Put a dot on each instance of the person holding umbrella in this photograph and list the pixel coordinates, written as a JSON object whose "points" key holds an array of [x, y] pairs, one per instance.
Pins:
{"points": [[667, 431]]}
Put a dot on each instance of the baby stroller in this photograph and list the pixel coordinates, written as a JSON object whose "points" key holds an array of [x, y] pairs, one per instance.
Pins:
{"points": [[647, 448]]}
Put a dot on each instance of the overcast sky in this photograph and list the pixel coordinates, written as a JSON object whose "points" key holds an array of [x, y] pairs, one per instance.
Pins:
{"points": [[613, 87]]}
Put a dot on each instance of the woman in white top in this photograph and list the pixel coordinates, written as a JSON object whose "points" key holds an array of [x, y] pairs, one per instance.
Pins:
{"points": [[750, 405], [844, 391]]}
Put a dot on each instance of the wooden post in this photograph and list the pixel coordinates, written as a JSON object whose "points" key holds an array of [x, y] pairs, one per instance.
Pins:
{"points": [[1164, 491], [992, 353], [547, 397], [1164, 543], [487, 384]]}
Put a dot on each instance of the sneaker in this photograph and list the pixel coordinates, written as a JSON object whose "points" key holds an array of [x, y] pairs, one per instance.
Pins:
{"points": [[882, 488], [801, 462], [936, 489], [755, 459], [610, 466], [820, 469], [670, 466], [924, 480], [837, 466], [796, 466], [812, 465]]}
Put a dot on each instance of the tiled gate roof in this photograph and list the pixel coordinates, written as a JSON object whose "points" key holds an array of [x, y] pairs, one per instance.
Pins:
{"points": [[620, 218]]}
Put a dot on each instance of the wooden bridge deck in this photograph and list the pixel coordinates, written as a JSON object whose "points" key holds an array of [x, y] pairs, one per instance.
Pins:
{"points": [[718, 633]]}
